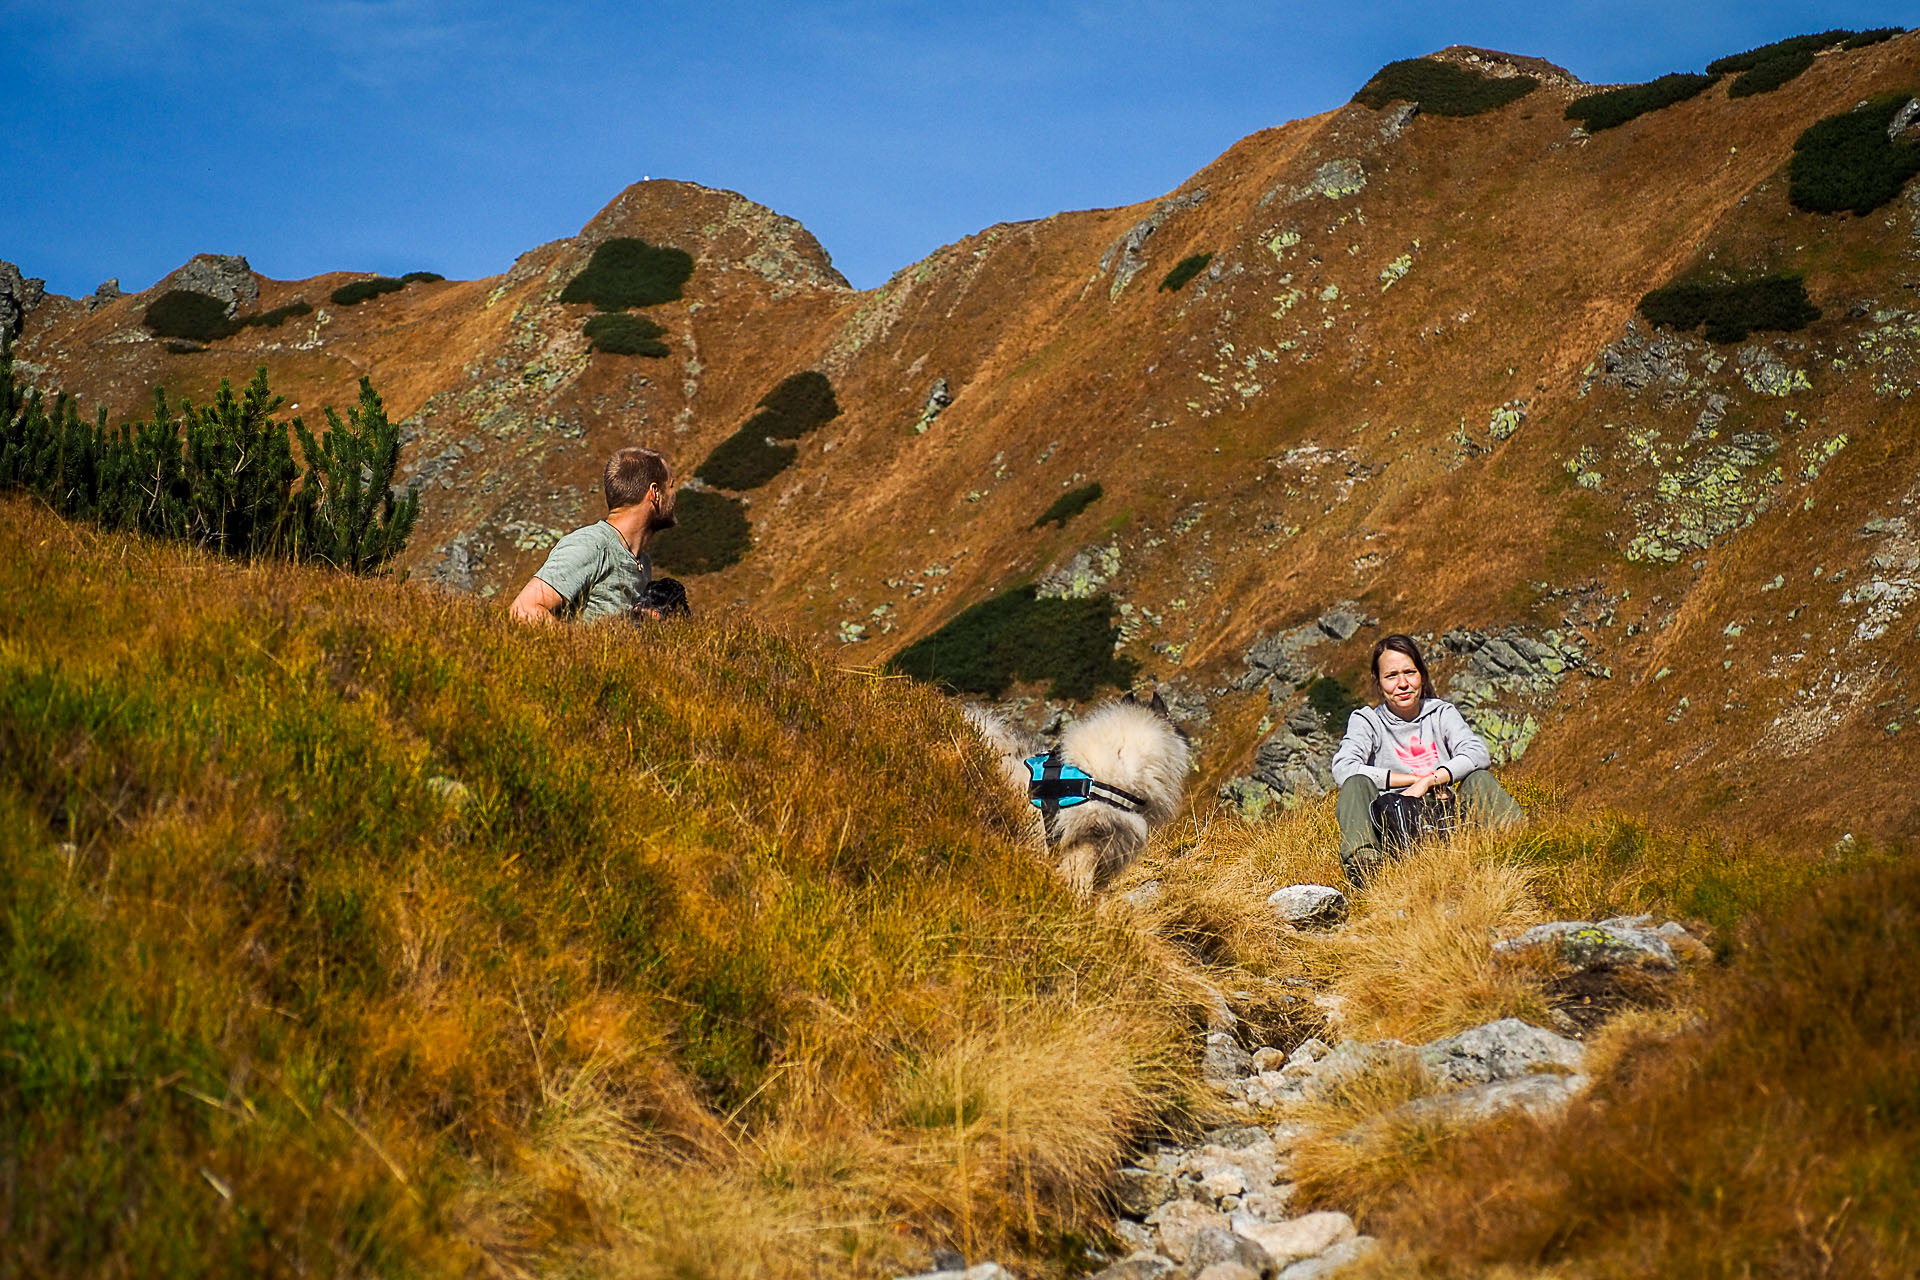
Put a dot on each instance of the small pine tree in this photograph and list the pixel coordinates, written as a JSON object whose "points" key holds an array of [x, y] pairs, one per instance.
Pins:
{"points": [[349, 516], [239, 471]]}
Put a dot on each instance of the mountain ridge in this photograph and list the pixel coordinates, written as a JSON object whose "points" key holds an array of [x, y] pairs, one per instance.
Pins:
{"points": [[1415, 341]]}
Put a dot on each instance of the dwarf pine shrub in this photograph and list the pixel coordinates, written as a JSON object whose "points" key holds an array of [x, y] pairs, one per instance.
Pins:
{"points": [[712, 534], [1791, 47], [278, 316], [620, 334], [221, 475], [1184, 270], [184, 313], [628, 272], [422, 277], [349, 295], [1847, 162], [1771, 74], [1069, 504], [1731, 309], [1878, 35], [745, 460], [1611, 108], [1017, 636], [1442, 88], [1333, 702], [798, 404]]}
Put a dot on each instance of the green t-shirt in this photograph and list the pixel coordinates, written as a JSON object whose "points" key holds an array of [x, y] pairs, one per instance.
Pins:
{"points": [[595, 573]]}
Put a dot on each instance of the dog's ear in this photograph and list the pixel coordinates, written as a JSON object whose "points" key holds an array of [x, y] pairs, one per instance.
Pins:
{"points": [[1159, 706], [1130, 700]]}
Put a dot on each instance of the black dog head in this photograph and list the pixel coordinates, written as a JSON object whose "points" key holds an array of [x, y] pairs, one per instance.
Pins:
{"points": [[663, 598]]}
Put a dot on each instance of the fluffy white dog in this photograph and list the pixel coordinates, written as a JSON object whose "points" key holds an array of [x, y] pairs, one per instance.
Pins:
{"points": [[1132, 746]]}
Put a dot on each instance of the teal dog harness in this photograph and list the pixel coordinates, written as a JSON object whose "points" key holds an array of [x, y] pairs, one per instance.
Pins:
{"points": [[1056, 785]]}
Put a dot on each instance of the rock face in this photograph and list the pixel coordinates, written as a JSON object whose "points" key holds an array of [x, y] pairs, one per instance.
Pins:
{"points": [[18, 295], [108, 291], [1308, 906], [1127, 255], [227, 277]]}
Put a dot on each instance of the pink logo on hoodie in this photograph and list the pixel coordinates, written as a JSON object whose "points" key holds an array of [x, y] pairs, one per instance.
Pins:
{"points": [[1419, 756]]}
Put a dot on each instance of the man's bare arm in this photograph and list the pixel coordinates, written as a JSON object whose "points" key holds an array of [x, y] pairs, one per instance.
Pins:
{"points": [[537, 602]]}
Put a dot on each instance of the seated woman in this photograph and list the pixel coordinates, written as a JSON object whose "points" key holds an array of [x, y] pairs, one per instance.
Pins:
{"points": [[1410, 744]]}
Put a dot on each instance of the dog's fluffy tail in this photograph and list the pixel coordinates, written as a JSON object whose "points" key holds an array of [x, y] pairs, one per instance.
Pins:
{"points": [[1135, 747]]}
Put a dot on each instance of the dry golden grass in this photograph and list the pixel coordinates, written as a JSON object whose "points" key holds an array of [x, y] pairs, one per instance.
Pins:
{"points": [[718, 959]]}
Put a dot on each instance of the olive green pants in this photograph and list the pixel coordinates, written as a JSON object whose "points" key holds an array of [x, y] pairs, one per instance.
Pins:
{"points": [[1481, 797]]}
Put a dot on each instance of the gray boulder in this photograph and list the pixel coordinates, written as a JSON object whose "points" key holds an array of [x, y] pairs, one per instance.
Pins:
{"points": [[1302, 1237], [1540, 1094], [1308, 906], [1585, 945], [19, 294], [984, 1271], [1216, 1244], [225, 276], [1139, 1192], [1498, 1051], [109, 290], [1225, 1060], [1332, 1262], [1149, 1268]]}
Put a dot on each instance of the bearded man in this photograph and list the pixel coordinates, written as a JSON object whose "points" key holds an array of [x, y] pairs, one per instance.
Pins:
{"points": [[601, 570]]}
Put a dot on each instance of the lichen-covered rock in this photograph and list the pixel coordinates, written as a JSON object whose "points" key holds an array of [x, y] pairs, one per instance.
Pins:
{"points": [[1585, 945], [1152, 1267], [1308, 906], [1082, 577], [1334, 180]]}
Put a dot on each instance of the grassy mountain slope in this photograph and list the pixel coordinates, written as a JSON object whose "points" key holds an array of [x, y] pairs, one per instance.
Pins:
{"points": [[1411, 375], [348, 928]]}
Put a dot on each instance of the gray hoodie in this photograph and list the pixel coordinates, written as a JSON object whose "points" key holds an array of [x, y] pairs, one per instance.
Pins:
{"points": [[1438, 737]]}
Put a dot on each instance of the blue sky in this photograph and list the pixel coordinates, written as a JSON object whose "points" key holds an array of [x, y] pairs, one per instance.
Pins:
{"points": [[399, 135]]}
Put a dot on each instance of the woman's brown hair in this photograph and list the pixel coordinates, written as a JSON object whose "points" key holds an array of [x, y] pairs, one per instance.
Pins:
{"points": [[1402, 644]]}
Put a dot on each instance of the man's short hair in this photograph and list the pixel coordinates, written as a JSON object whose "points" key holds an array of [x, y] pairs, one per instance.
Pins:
{"points": [[630, 473]]}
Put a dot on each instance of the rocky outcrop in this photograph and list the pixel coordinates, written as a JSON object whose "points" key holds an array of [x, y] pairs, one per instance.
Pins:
{"points": [[109, 290], [1618, 942], [1308, 906], [225, 276], [1127, 255], [18, 295]]}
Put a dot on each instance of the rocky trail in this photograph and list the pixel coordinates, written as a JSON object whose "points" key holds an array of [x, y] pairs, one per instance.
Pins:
{"points": [[1224, 1205]]}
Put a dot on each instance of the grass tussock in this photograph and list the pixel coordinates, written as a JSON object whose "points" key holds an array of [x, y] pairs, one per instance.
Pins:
{"points": [[1777, 1136], [345, 927]]}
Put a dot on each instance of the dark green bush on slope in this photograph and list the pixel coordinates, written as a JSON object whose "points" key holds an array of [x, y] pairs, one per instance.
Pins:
{"points": [[1770, 75], [797, 405], [359, 291], [1333, 702], [278, 316], [745, 460], [182, 313], [619, 334], [1069, 504], [1792, 46], [712, 534], [1442, 88], [1611, 108], [1018, 636], [1184, 270], [1734, 308], [1878, 35], [628, 272], [1848, 162]]}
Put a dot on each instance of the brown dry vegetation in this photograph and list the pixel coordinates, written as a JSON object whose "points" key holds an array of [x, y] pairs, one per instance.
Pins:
{"points": [[718, 960]]}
